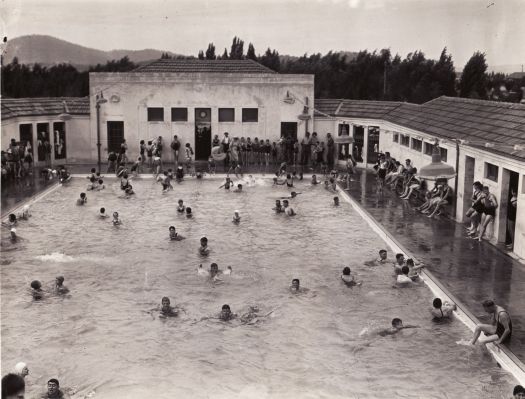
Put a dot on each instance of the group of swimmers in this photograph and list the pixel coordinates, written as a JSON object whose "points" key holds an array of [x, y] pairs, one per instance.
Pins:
{"points": [[12, 222]]}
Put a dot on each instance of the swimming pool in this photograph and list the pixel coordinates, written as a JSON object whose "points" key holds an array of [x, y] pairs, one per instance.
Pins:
{"points": [[102, 339]]}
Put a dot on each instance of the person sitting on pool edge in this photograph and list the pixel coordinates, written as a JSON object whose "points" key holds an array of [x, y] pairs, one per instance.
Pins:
{"points": [[60, 288], [500, 330], [336, 201], [288, 209], [103, 213], [348, 278], [36, 290], [13, 386], [181, 208], [116, 220], [397, 325], [236, 217], [441, 310], [203, 249], [82, 200], [174, 236], [189, 215]]}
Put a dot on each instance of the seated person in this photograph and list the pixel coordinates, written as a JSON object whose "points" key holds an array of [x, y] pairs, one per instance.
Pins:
{"points": [[204, 249], [236, 217], [397, 325], [82, 200], [60, 288], [174, 236], [442, 310], [348, 278], [181, 208], [500, 329], [116, 220]]}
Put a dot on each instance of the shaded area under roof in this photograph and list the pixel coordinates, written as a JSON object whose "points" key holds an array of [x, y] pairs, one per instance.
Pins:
{"points": [[203, 66], [476, 121], [20, 107]]}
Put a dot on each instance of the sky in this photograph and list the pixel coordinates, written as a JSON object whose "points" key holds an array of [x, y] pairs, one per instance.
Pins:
{"points": [[294, 27]]}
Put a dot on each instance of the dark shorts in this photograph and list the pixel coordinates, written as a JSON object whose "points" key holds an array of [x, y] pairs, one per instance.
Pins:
{"points": [[381, 173]]}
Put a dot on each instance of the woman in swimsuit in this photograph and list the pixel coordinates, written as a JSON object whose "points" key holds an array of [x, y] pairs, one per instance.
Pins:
{"points": [[490, 203], [500, 330]]}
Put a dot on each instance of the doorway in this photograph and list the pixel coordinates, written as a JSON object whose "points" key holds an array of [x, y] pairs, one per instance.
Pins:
{"points": [[202, 133], [512, 208], [344, 149], [359, 142], [26, 136], [289, 129], [59, 131], [115, 135], [470, 166], [373, 145], [44, 146]]}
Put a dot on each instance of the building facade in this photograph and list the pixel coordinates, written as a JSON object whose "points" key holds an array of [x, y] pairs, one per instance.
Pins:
{"points": [[196, 100]]}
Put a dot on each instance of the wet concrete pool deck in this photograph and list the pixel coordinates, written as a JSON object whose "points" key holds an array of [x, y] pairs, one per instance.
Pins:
{"points": [[470, 270]]}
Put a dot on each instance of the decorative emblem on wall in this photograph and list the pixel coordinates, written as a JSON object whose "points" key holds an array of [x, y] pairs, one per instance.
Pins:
{"points": [[203, 114], [114, 98]]}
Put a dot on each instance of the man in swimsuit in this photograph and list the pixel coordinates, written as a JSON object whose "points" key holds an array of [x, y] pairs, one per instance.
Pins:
{"points": [[397, 325], [82, 200], [226, 313], [181, 208], [60, 288], [441, 310], [36, 290], [203, 249], [13, 386], [383, 255], [296, 285], [336, 201], [236, 217], [53, 390], [288, 209], [166, 310], [500, 330], [400, 262], [278, 207], [518, 392], [174, 236]]}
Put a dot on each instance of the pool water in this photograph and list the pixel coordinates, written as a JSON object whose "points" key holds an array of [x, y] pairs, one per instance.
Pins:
{"points": [[101, 341]]}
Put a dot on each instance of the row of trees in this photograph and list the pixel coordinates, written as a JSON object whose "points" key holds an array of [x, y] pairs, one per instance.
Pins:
{"points": [[376, 75]]}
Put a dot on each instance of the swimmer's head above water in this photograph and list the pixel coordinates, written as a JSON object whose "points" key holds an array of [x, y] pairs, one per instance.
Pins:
{"points": [[214, 269], [336, 201], [397, 323], [59, 281], [226, 313], [36, 285], [165, 302], [188, 212], [436, 303], [346, 271], [383, 254], [295, 285]]}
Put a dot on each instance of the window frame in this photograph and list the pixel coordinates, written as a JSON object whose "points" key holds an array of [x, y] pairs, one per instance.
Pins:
{"points": [[150, 115], [429, 146], [232, 116], [245, 118], [488, 175], [395, 138], [402, 140], [413, 147], [173, 119]]}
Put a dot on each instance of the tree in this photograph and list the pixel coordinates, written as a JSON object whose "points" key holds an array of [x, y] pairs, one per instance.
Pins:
{"points": [[165, 56], [250, 54], [473, 81], [271, 60], [201, 55], [237, 49], [225, 54], [210, 52], [444, 76]]}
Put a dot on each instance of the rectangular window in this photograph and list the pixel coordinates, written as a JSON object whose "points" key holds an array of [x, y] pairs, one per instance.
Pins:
{"points": [[523, 184], [155, 114], [226, 114], [491, 171], [428, 148], [395, 137], [250, 114], [405, 140], [417, 145], [444, 154], [179, 114]]}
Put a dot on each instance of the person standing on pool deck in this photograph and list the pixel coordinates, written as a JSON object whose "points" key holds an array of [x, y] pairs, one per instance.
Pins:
{"points": [[490, 203], [500, 330]]}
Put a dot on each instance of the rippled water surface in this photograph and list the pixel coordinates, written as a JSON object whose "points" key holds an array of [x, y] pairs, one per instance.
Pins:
{"points": [[101, 339]]}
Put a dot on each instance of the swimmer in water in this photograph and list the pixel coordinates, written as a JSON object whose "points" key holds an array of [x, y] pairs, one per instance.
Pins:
{"points": [[314, 180], [92, 174], [11, 221], [348, 278], [181, 208], [82, 200], [226, 313], [236, 217], [21, 369], [296, 285], [25, 214], [403, 279], [36, 290], [397, 325], [92, 184], [238, 189], [226, 184], [166, 310], [102, 213], [441, 311], [60, 288], [293, 194], [188, 213], [383, 256], [101, 185], [278, 208], [13, 235], [203, 249], [288, 209], [116, 220], [174, 236], [414, 270], [399, 263], [336, 201]]}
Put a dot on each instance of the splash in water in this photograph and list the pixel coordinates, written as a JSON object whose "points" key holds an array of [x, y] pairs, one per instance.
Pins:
{"points": [[55, 257]]}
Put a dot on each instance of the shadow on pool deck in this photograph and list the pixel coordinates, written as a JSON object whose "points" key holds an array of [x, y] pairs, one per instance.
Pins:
{"points": [[16, 191], [470, 270]]}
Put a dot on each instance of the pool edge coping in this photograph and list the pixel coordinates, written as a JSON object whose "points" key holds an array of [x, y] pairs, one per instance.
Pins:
{"points": [[503, 356]]}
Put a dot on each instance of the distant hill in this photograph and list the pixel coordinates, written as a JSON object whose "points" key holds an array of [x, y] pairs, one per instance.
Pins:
{"points": [[48, 50]]}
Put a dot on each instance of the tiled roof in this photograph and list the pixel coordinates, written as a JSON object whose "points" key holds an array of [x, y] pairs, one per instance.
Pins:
{"points": [[204, 66], [353, 108], [475, 121], [17, 107], [517, 75]]}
